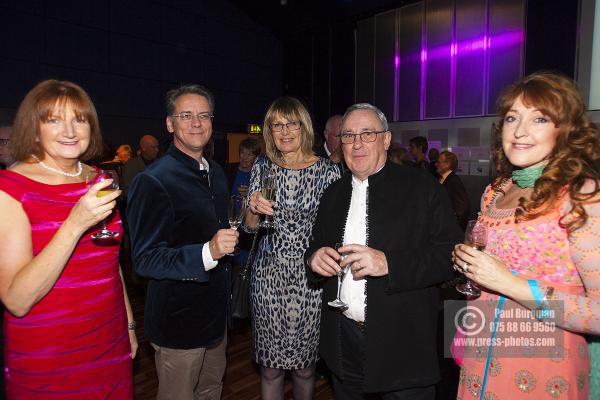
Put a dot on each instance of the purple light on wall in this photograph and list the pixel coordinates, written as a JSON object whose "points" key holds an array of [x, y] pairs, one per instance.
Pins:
{"points": [[486, 43], [507, 39], [396, 83]]}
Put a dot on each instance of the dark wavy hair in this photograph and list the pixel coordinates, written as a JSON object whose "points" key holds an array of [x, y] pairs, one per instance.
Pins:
{"points": [[572, 162]]}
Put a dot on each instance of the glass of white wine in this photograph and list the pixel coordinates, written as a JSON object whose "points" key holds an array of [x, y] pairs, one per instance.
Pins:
{"points": [[98, 176], [338, 303], [268, 191], [236, 212], [475, 237]]}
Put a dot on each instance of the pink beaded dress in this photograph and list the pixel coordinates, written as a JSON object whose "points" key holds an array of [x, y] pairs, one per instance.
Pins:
{"points": [[73, 344], [539, 250]]}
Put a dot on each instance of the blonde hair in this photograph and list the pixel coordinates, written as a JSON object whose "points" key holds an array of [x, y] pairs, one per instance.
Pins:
{"points": [[293, 110]]}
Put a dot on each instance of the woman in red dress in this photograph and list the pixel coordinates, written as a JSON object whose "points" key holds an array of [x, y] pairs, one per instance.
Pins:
{"points": [[66, 326]]}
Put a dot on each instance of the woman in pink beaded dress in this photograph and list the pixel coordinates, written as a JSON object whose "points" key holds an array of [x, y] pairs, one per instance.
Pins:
{"points": [[542, 213], [66, 326]]}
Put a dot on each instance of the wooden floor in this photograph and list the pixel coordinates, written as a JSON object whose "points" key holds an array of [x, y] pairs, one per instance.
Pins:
{"points": [[242, 380]]}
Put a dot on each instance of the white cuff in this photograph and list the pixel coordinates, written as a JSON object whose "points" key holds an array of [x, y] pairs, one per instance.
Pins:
{"points": [[209, 263]]}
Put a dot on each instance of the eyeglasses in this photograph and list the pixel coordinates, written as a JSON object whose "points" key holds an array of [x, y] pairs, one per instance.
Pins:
{"points": [[4, 142], [188, 116], [291, 126], [365, 137]]}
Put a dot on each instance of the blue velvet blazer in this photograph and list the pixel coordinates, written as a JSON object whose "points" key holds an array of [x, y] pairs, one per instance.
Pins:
{"points": [[172, 211]]}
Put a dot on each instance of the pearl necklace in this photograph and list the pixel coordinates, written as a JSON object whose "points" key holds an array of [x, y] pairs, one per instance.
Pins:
{"points": [[58, 171]]}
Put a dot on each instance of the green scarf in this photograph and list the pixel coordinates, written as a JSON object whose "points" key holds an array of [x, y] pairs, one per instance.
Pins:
{"points": [[526, 177]]}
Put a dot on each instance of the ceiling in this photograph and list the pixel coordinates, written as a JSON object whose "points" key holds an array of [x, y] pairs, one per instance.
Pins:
{"points": [[288, 17]]}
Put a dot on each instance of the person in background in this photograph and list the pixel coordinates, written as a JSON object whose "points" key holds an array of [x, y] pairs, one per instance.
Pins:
{"points": [[433, 156], [542, 213], [177, 217], [417, 147], [239, 174], [148, 151], [398, 154], [285, 307], [331, 146], [123, 153], [69, 328], [6, 160], [239, 178], [446, 165], [396, 248]]}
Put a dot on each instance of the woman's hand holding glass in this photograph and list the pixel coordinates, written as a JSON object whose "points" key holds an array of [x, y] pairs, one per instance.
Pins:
{"points": [[113, 178], [484, 269], [92, 209], [259, 205]]}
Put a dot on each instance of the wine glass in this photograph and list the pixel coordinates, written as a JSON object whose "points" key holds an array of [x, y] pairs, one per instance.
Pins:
{"points": [[94, 177], [338, 303], [268, 191], [236, 212], [475, 237]]}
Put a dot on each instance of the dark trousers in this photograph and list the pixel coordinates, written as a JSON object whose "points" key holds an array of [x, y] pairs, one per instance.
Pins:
{"points": [[350, 385]]}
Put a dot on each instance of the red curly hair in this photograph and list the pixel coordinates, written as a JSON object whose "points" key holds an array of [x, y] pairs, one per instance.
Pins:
{"points": [[572, 162]]}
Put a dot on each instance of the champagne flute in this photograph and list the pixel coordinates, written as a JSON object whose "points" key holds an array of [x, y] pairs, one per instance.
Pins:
{"points": [[268, 191], [236, 212], [95, 177], [338, 303], [475, 237]]}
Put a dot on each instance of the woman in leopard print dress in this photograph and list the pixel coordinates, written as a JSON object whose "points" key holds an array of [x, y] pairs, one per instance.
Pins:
{"points": [[285, 308]]}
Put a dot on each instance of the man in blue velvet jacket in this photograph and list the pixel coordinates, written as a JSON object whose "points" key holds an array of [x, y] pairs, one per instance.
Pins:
{"points": [[179, 233]]}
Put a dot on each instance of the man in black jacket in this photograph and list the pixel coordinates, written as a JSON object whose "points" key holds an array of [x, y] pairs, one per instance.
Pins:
{"points": [[331, 145], [446, 165], [398, 232], [179, 233]]}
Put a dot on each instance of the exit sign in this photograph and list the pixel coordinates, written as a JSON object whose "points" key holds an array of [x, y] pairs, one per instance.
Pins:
{"points": [[254, 128]]}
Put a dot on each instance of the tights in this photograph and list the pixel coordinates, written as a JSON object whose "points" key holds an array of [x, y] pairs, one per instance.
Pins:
{"points": [[272, 382]]}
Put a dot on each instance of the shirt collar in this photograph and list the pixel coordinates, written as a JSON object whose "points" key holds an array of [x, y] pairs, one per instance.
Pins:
{"points": [[445, 175], [187, 160], [365, 183]]}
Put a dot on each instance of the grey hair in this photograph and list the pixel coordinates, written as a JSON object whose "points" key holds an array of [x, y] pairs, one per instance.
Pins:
{"points": [[370, 107], [190, 88]]}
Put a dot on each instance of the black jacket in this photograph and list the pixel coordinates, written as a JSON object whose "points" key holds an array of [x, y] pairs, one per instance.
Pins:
{"points": [[410, 220], [458, 197], [172, 212]]}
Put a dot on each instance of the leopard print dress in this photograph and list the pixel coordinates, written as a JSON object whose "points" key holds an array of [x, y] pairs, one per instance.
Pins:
{"points": [[286, 310]]}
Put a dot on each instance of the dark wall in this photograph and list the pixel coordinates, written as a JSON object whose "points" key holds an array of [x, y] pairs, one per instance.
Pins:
{"points": [[319, 69], [127, 54], [551, 36]]}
